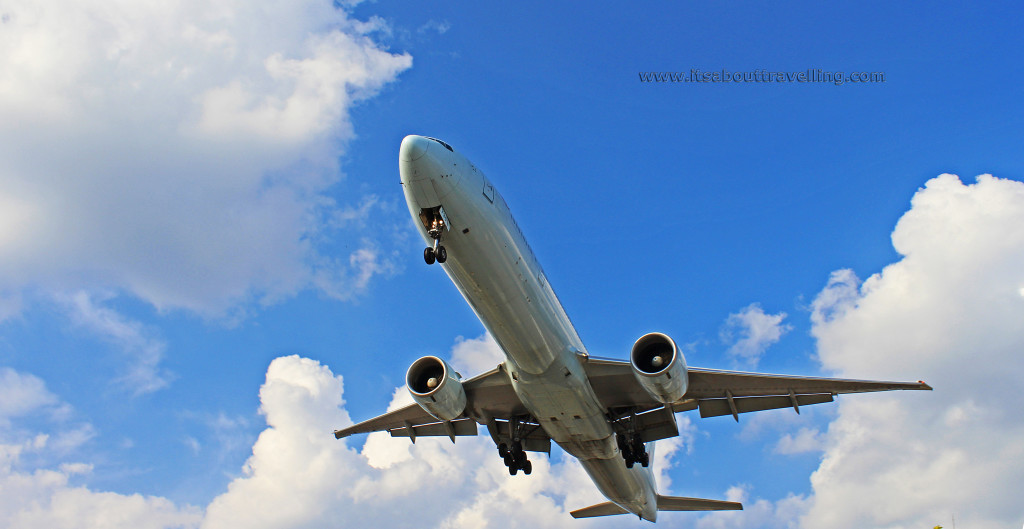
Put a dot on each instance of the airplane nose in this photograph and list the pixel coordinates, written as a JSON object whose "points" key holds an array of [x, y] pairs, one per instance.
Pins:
{"points": [[413, 148]]}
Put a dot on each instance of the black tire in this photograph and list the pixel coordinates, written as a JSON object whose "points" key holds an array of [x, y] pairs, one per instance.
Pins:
{"points": [[527, 468], [512, 470], [503, 450], [442, 254], [428, 255], [629, 463], [509, 461], [645, 459]]}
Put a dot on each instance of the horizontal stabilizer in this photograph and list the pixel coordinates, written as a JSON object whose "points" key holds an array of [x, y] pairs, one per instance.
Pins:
{"points": [[675, 503], [665, 503], [601, 509]]}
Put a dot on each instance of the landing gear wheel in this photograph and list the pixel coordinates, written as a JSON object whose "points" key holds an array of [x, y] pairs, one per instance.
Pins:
{"points": [[442, 254], [527, 467], [644, 459], [512, 470], [503, 450], [428, 255], [629, 463]]}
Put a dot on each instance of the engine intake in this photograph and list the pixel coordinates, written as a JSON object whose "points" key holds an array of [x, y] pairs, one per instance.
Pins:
{"points": [[659, 367], [435, 386]]}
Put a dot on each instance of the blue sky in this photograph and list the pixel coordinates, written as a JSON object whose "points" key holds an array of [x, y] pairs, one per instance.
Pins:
{"points": [[188, 193]]}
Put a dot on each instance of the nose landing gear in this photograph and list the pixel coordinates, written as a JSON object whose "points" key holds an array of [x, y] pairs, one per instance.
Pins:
{"points": [[436, 252], [430, 254]]}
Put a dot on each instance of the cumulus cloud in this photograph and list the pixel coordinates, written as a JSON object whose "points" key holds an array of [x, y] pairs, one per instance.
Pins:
{"points": [[180, 152], [949, 312], [751, 331], [300, 476]]}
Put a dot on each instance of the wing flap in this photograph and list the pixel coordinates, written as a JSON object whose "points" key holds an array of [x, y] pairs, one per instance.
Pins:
{"points": [[718, 407], [460, 427]]}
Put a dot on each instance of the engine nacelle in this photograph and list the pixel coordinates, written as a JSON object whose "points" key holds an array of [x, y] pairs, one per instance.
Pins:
{"points": [[660, 367], [435, 386]]}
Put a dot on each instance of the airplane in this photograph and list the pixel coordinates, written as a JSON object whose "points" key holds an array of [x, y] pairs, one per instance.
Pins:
{"points": [[606, 413]]}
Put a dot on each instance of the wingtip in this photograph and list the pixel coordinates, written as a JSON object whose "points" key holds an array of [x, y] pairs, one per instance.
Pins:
{"points": [[924, 386]]}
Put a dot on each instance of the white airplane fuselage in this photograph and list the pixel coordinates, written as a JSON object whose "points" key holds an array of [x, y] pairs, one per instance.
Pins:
{"points": [[494, 268]]}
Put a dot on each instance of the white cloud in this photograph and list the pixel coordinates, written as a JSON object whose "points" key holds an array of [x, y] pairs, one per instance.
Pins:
{"points": [[46, 497], [179, 152], [751, 331], [22, 394], [948, 312], [300, 476], [756, 513], [145, 351], [441, 27], [476, 355], [805, 440]]}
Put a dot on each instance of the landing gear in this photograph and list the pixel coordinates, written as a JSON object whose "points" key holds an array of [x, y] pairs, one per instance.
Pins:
{"points": [[512, 453], [515, 458], [431, 254], [633, 450], [437, 252]]}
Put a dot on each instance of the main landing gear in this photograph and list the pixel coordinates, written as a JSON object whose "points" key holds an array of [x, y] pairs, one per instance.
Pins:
{"points": [[515, 458], [436, 252], [633, 450]]}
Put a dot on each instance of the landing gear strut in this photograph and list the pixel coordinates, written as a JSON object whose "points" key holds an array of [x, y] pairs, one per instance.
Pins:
{"points": [[632, 447], [436, 252]]}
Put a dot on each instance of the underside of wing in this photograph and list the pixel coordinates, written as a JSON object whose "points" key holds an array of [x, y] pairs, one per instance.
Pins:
{"points": [[717, 392], [490, 400], [710, 383]]}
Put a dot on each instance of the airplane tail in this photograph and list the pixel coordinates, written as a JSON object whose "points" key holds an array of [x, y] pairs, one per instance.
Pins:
{"points": [[665, 503]]}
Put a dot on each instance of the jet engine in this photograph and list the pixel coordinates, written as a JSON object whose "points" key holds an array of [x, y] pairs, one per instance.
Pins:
{"points": [[435, 386], [660, 367]]}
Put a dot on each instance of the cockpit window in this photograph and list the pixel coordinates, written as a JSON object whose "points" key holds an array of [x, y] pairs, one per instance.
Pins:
{"points": [[446, 146]]}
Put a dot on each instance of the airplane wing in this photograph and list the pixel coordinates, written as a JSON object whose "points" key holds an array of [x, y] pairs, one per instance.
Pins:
{"points": [[716, 392], [490, 400]]}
